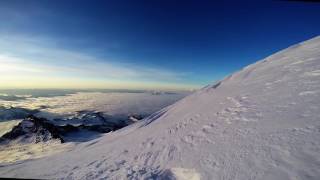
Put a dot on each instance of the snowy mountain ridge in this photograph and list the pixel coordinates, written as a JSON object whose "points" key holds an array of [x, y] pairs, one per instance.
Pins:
{"points": [[260, 123]]}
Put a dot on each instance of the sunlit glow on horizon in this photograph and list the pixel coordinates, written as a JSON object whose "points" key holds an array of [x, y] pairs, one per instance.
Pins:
{"points": [[23, 73]]}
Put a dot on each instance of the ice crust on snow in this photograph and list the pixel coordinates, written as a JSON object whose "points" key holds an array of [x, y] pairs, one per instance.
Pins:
{"points": [[259, 123]]}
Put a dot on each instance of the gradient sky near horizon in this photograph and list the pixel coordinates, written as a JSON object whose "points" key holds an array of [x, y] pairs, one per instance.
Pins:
{"points": [[150, 44]]}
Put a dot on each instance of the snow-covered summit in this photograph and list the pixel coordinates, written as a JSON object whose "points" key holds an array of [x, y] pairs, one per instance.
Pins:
{"points": [[262, 122]]}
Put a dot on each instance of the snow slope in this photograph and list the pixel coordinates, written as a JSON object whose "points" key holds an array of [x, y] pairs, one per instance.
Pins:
{"points": [[262, 122]]}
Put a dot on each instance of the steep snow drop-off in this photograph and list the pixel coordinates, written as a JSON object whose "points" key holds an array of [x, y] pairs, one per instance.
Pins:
{"points": [[262, 122]]}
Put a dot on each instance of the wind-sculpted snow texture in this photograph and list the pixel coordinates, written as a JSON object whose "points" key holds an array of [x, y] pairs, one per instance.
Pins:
{"points": [[262, 122]]}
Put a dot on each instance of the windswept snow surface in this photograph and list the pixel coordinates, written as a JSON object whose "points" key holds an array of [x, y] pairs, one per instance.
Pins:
{"points": [[262, 122]]}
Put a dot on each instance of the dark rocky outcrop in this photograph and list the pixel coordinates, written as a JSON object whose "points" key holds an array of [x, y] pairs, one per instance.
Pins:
{"points": [[36, 129]]}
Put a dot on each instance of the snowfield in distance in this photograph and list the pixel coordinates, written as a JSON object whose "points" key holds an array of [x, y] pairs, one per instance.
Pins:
{"points": [[262, 122]]}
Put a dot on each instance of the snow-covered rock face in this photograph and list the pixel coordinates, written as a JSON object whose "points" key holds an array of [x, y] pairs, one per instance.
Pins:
{"points": [[260, 123], [32, 130]]}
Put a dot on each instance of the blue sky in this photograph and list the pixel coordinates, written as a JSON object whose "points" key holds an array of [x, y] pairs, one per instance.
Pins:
{"points": [[143, 44]]}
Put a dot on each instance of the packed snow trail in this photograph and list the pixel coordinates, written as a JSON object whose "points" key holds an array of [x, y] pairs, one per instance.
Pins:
{"points": [[262, 122]]}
